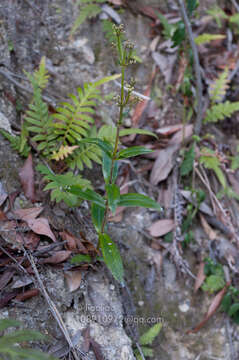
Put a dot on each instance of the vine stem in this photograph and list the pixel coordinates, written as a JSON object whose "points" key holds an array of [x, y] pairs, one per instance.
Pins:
{"points": [[198, 123]]}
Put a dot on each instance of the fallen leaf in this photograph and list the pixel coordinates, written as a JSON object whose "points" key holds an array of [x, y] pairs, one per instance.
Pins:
{"points": [[57, 258], [207, 228], [169, 130], [116, 2], [41, 227], [7, 297], [182, 135], [165, 63], [21, 282], [96, 349], [200, 277], [86, 337], [3, 216], [73, 279], [163, 165], [6, 277], [161, 227], [28, 214], [73, 243], [212, 309], [203, 206], [3, 194], [27, 294], [31, 240], [26, 175]]}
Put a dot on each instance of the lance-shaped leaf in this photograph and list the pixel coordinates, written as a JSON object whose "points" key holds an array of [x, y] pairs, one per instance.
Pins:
{"points": [[106, 168], [7, 323], [133, 151], [87, 194], [113, 193], [125, 132], [134, 199], [97, 215], [105, 146], [112, 257]]}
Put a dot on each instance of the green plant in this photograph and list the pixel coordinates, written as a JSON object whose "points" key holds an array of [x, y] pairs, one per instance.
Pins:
{"points": [[214, 276], [221, 110], [230, 303], [88, 9], [10, 348], [147, 339], [18, 143], [101, 206]]}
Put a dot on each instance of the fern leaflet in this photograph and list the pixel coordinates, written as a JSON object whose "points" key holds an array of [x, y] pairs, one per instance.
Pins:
{"points": [[59, 185], [89, 10], [217, 89], [221, 111], [63, 152], [206, 38], [18, 143]]}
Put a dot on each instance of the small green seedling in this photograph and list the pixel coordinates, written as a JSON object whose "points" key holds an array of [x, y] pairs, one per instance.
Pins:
{"points": [[147, 339]]}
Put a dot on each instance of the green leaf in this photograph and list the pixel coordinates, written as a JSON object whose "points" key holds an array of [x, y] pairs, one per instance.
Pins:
{"points": [[148, 337], [179, 35], [187, 164], [206, 38], [87, 11], [191, 6], [168, 29], [113, 193], [107, 79], [134, 199], [106, 169], [6, 323], [104, 145], [20, 336], [125, 132], [80, 258], [112, 257], [88, 195], [226, 302], [133, 151], [210, 161], [233, 309], [213, 283], [97, 215]]}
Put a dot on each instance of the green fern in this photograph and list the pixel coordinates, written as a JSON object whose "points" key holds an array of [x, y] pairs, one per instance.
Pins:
{"points": [[221, 111], [38, 119], [58, 184], [88, 10], [147, 339], [18, 143], [9, 343], [217, 14], [210, 161], [217, 89], [73, 121], [86, 153], [206, 38]]}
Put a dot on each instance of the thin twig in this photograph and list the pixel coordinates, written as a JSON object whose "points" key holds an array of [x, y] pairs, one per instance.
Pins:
{"points": [[198, 123], [54, 310]]}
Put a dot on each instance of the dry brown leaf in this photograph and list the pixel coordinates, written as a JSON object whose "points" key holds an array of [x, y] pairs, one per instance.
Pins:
{"points": [[26, 175], [96, 349], [182, 135], [41, 226], [161, 227], [86, 337], [207, 228], [200, 277], [57, 258], [31, 240], [6, 277], [163, 165], [169, 130], [73, 243], [27, 294], [212, 309], [28, 214], [166, 63], [73, 279]]}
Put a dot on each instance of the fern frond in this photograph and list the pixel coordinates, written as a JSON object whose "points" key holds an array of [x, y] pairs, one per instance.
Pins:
{"points": [[63, 152], [18, 143], [218, 88], [206, 38], [58, 184], [88, 11], [40, 77], [40, 122], [217, 14], [221, 111], [72, 120]]}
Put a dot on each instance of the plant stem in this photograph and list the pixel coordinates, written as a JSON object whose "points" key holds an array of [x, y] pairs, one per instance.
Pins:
{"points": [[123, 103]]}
